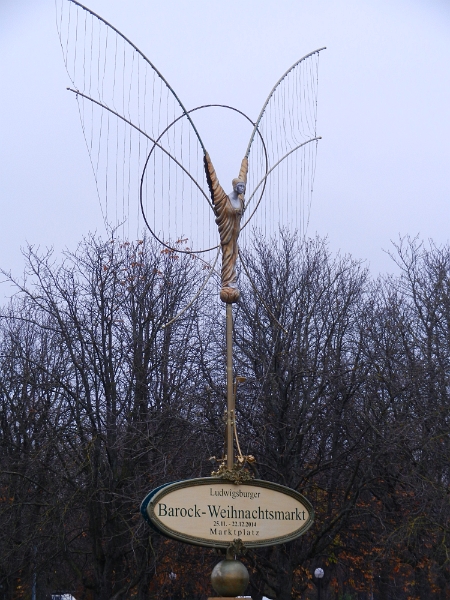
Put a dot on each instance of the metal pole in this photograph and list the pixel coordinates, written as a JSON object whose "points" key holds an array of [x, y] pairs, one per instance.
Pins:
{"points": [[230, 391], [320, 588]]}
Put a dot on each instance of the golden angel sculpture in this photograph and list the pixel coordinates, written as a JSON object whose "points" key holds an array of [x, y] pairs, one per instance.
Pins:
{"points": [[228, 210], [149, 160]]}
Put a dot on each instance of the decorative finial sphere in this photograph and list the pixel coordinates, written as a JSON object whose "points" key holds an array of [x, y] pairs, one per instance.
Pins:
{"points": [[229, 294], [230, 578]]}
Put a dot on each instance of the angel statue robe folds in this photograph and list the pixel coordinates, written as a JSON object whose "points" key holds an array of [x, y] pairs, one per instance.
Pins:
{"points": [[228, 210]]}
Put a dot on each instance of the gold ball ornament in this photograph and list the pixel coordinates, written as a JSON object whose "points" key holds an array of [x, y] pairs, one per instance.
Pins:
{"points": [[230, 578]]}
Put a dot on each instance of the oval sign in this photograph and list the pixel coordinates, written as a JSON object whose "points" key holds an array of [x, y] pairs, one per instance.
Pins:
{"points": [[214, 512]]}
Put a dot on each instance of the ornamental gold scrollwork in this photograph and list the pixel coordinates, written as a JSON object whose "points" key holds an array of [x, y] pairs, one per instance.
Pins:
{"points": [[239, 473]]}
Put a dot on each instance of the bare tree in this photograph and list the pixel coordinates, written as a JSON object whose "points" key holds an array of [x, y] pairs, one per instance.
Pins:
{"points": [[123, 395], [346, 400]]}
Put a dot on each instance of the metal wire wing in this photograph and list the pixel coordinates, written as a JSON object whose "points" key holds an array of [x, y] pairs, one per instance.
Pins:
{"points": [[141, 140], [280, 195], [147, 154]]}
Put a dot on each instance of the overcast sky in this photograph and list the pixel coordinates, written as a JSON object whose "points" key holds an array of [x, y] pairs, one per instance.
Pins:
{"points": [[384, 101]]}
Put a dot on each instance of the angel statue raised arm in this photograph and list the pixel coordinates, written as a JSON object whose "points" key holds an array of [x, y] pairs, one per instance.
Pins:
{"points": [[149, 159]]}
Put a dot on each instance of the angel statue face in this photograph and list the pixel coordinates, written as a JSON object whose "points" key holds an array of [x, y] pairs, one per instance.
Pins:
{"points": [[240, 187]]}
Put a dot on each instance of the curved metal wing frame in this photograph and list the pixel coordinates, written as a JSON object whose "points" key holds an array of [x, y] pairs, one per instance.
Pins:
{"points": [[264, 179], [258, 120], [147, 61], [115, 113], [186, 113], [157, 145]]}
